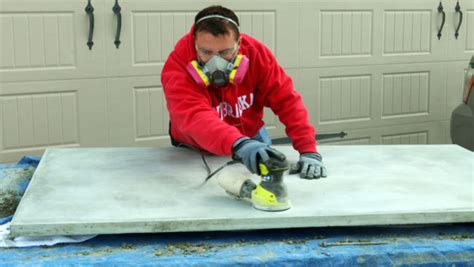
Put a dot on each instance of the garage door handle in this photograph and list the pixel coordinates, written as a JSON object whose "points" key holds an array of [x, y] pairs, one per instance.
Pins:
{"points": [[441, 10], [90, 11], [458, 10], [117, 10]]}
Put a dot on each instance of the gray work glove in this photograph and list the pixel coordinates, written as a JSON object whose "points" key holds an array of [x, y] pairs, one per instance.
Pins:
{"points": [[310, 166], [250, 151]]}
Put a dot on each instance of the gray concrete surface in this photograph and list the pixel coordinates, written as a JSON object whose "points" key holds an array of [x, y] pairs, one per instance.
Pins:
{"points": [[132, 190]]}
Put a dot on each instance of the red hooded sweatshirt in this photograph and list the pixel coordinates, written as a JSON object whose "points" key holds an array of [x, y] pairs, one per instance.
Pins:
{"points": [[213, 118]]}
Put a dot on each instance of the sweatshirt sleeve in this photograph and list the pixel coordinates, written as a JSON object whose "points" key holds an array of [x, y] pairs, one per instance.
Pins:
{"points": [[285, 101], [191, 112]]}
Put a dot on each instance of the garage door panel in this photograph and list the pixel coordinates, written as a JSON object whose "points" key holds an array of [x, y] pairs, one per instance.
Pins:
{"points": [[37, 115]]}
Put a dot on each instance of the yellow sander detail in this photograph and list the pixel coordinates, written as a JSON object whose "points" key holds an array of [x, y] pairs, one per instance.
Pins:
{"points": [[271, 193]]}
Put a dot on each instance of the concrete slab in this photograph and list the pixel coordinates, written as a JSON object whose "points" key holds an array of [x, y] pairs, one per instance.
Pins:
{"points": [[134, 190]]}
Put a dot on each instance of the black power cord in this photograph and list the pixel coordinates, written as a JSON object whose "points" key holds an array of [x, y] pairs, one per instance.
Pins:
{"points": [[210, 173]]}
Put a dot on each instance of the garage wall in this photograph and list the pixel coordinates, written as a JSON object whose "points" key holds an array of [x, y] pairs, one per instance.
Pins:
{"points": [[371, 68]]}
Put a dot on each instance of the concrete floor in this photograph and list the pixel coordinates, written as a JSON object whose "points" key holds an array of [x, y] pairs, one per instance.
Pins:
{"points": [[134, 190]]}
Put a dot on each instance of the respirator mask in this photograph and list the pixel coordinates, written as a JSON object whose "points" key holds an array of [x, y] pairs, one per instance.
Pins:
{"points": [[218, 71]]}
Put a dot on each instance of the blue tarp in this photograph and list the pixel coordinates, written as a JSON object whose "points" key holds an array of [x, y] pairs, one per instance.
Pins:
{"points": [[439, 245], [13, 174]]}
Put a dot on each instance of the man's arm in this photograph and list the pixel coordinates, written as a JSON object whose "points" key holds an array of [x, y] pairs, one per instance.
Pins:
{"points": [[287, 104]]}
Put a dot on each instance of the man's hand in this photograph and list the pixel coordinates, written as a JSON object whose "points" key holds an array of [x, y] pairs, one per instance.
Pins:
{"points": [[310, 166], [249, 151]]}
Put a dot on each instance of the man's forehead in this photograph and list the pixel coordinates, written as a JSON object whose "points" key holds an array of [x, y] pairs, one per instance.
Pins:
{"points": [[205, 36]]}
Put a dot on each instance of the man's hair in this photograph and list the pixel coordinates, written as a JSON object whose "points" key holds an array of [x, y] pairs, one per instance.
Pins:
{"points": [[216, 26]]}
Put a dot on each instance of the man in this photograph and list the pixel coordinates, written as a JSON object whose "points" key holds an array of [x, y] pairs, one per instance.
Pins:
{"points": [[217, 82]]}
